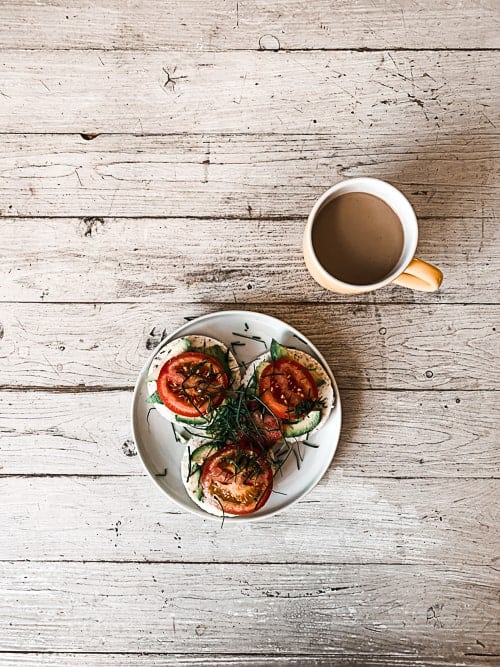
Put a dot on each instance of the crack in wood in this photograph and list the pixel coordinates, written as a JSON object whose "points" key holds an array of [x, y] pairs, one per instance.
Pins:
{"points": [[171, 79], [91, 225]]}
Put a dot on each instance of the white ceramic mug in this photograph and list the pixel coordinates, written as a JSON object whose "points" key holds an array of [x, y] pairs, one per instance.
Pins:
{"points": [[408, 272]]}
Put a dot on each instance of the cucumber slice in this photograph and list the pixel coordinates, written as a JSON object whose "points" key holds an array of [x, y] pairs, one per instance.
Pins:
{"points": [[292, 430], [201, 453], [195, 481], [193, 421], [254, 382], [197, 460]]}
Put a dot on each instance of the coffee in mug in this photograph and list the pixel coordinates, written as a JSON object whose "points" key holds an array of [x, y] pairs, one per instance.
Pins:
{"points": [[362, 235]]}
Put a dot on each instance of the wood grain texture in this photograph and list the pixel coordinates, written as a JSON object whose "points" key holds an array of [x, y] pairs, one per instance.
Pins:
{"points": [[157, 162], [384, 433], [353, 520], [251, 24], [416, 93], [66, 433], [183, 260], [444, 174], [437, 346], [142, 659], [107, 607]]}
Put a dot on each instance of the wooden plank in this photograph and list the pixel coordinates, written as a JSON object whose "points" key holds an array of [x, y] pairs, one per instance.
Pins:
{"points": [[416, 94], [150, 260], [142, 659], [413, 612], [367, 346], [376, 520], [444, 174], [411, 434], [248, 24], [66, 433]]}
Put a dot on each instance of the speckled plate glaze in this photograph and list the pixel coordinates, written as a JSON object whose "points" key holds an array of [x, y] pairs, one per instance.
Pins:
{"points": [[155, 439]]}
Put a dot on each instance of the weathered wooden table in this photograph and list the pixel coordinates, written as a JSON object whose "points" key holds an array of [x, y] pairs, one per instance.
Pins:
{"points": [[158, 161]]}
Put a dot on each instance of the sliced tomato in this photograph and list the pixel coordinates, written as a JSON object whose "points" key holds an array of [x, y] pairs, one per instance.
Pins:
{"points": [[237, 479], [192, 383], [287, 388], [268, 430]]}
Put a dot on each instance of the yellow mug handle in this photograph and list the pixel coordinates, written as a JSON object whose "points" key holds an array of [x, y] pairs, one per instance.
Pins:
{"points": [[421, 276]]}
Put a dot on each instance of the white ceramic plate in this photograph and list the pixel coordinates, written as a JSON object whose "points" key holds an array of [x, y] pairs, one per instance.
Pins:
{"points": [[160, 452]]}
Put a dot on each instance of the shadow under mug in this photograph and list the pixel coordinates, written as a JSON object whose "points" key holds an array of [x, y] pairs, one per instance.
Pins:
{"points": [[408, 271]]}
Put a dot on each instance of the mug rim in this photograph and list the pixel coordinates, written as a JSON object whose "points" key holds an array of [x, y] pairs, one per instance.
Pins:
{"points": [[361, 184]]}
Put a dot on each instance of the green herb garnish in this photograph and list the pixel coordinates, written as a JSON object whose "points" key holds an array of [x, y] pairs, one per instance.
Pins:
{"points": [[154, 398], [300, 339], [306, 406], [256, 338], [147, 416], [309, 444]]}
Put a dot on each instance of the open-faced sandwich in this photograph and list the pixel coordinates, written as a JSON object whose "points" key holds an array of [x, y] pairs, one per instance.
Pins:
{"points": [[293, 387], [190, 378], [227, 480]]}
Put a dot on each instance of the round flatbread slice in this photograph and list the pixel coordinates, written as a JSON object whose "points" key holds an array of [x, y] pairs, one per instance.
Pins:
{"points": [[312, 422], [229, 479], [195, 454], [202, 344]]}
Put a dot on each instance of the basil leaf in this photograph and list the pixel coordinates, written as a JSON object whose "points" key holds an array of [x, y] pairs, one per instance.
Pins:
{"points": [[154, 398]]}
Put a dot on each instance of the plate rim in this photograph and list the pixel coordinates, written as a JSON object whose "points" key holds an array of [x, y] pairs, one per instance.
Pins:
{"points": [[184, 329]]}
